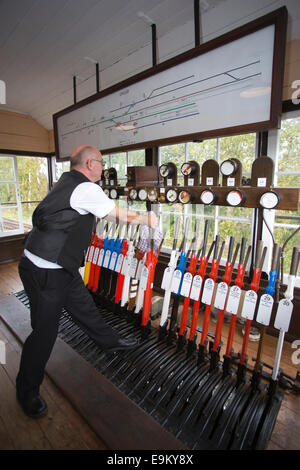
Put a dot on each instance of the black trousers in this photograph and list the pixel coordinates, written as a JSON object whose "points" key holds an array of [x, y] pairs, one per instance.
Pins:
{"points": [[49, 290]]}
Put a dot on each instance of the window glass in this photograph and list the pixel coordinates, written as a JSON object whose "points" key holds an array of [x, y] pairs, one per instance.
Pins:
{"points": [[202, 151], [7, 169], [281, 234], [241, 147], [288, 175], [33, 184], [59, 168], [175, 154], [119, 162], [289, 151], [136, 158]]}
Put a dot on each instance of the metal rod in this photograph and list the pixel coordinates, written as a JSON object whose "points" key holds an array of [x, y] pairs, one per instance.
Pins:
{"points": [[154, 51], [197, 22], [97, 78], [74, 90]]}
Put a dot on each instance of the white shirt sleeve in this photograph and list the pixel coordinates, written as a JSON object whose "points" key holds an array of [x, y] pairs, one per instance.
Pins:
{"points": [[90, 198]]}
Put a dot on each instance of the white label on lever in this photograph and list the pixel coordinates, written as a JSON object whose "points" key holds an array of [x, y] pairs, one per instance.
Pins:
{"points": [[166, 280], [196, 287], [265, 309], [283, 315], [106, 259], [91, 253], [100, 259], [144, 278], [113, 260], [95, 257], [140, 268], [124, 266], [133, 267], [249, 305], [119, 262], [176, 281], [233, 300], [221, 295], [186, 284], [208, 291]]}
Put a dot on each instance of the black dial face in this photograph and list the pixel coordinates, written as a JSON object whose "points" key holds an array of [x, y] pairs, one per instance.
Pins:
{"points": [[143, 194], [207, 197], [187, 169], [171, 195], [228, 168], [164, 171], [185, 197], [133, 194], [269, 200], [234, 198]]}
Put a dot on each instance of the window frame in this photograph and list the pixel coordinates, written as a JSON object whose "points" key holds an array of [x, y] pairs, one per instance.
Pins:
{"points": [[18, 205]]}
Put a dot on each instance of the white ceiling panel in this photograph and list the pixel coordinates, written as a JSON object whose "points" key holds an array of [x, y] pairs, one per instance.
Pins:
{"points": [[44, 43]]}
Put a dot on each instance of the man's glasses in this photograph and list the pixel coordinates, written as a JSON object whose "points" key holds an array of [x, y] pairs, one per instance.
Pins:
{"points": [[99, 161]]}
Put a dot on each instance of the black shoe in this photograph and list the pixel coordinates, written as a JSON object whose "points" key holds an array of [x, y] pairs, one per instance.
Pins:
{"points": [[123, 344], [33, 406]]}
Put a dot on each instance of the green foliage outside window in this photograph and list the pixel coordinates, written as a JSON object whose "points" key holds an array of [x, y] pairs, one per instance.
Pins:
{"points": [[288, 162]]}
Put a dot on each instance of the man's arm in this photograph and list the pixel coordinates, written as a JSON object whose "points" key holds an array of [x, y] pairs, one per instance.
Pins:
{"points": [[132, 217]]}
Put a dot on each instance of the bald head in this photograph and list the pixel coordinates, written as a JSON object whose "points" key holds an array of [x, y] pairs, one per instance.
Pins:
{"points": [[82, 154], [88, 161]]}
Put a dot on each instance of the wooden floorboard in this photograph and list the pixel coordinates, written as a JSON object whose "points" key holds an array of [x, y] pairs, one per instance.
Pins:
{"points": [[61, 429], [64, 427]]}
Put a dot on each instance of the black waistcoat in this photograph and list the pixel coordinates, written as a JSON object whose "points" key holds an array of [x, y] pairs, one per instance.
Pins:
{"points": [[60, 234]]}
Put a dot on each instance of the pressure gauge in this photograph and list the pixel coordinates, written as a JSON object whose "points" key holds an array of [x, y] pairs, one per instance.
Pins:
{"points": [[228, 167], [113, 193], [142, 194], [187, 169], [185, 197], [269, 200], [235, 198], [152, 195], [166, 170], [171, 195], [133, 194], [106, 191], [208, 197]]}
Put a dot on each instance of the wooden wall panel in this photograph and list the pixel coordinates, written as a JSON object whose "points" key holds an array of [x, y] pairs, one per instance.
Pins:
{"points": [[22, 132]]}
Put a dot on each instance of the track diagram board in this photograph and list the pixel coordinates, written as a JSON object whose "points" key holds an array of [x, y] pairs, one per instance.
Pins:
{"points": [[226, 87]]}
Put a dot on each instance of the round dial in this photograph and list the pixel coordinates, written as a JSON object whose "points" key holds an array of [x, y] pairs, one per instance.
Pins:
{"points": [[113, 193], [164, 171], [133, 194], [185, 197], [269, 200], [106, 191], [152, 195], [187, 169], [171, 195], [208, 197], [143, 194], [228, 167], [235, 198]]}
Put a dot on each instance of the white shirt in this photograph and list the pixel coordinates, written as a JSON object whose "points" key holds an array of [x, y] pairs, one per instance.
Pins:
{"points": [[86, 198]]}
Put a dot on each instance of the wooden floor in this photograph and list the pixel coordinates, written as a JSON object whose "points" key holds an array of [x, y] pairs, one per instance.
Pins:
{"points": [[64, 429]]}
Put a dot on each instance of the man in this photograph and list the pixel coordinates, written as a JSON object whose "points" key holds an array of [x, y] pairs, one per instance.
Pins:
{"points": [[49, 269]]}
